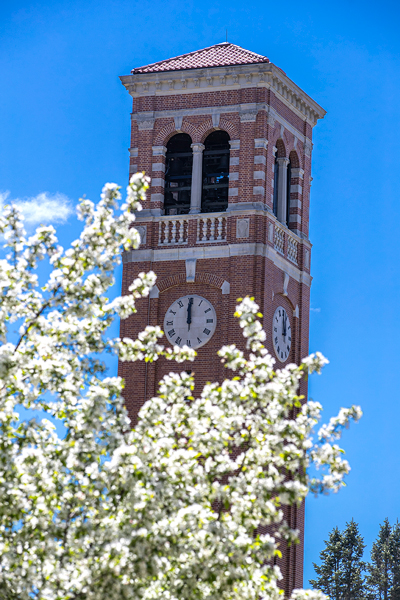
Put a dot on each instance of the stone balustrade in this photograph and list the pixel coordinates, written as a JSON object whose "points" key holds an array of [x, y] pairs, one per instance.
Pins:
{"points": [[279, 240], [211, 229], [291, 250], [173, 230]]}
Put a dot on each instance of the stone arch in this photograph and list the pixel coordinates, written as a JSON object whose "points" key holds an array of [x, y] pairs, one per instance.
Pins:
{"points": [[205, 129], [190, 129], [179, 278], [282, 295], [281, 149], [224, 124], [294, 159], [166, 133], [228, 125], [296, 156]]}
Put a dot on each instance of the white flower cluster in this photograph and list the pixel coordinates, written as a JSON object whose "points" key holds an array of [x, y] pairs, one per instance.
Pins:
{"points": [[170, 509]]}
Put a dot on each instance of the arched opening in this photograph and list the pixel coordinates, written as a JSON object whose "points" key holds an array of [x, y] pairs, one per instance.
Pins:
{"points": [[276, 178], [289, 179], [214, 196], [282, 175], [178, 175], [292, 164]]}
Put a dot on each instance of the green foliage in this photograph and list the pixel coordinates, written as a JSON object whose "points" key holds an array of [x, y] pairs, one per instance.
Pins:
{"points": [[340, 573], [383, 580], [395, 554]]}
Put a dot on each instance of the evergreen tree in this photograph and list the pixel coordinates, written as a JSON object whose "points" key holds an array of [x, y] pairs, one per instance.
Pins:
{"points": [[352, 564], [340, 574], [380, 578], [395, 560], [329, 578]]}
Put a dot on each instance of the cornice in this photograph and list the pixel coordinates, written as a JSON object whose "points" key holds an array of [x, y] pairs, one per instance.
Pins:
{"points": [[223, 251], [146, 119], [226, 78]]}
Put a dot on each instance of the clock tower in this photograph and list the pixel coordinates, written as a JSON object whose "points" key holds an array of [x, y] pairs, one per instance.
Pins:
{"points": [[226, 138]]}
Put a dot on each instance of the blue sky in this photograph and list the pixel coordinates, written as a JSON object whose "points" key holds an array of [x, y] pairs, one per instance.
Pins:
{"points": [[64, 131]]}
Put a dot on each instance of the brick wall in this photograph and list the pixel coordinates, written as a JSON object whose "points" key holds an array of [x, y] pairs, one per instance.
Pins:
{"points": [[257, 271]]}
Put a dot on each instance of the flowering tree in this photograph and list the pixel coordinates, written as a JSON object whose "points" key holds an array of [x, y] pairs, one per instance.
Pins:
{"points": [[171, 508]]}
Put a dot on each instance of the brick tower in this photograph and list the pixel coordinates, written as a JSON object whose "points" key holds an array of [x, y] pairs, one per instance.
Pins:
{"points": [[226, 137]]}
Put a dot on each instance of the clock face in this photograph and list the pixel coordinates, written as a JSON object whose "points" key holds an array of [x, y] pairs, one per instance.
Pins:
{"points": [[191, 321], [281, 333]]}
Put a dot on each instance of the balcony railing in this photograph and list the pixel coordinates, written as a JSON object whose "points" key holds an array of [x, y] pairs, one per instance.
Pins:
{"points": [[292, 249], [280, 237], [211, 229], [173, 231], [279, 240]]}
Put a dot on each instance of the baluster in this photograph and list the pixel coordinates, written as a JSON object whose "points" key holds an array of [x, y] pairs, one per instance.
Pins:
{"points": [[198, 229], [220, 225], [173, 232], [166, 232], [212, 228], [159, 232], [185, 230], [205, 224], [181, 228]]}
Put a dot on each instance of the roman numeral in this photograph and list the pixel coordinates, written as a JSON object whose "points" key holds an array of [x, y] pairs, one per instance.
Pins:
{"points": [[170, 323], [180, 303], [178, 340], [290, 339], [208, 310], [188, 343], [279, 349], [171, 333], [199, 340], [200, 302], [276, 329], [210, 320], [276, 339], [288, 348], [206, 331], [171, 311]]}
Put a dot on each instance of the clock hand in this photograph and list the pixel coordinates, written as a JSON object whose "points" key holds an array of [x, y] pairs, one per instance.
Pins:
{"points": [[284, 326], [189, 313]]}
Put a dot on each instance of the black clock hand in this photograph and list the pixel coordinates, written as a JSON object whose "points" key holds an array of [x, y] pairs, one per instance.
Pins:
{"points": [[284, 325], [189, 312]]}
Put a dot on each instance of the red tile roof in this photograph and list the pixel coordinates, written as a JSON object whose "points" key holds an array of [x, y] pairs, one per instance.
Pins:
{"points": [[219, 55]]}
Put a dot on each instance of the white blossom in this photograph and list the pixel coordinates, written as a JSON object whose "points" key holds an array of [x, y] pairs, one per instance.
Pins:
{"points": [[170, 508]]}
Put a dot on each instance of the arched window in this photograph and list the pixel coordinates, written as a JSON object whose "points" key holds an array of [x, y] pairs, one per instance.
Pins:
{"points": [[281, 198], [215, 172], [289, 179], [178, 175], [276, 176], [293, 197]]}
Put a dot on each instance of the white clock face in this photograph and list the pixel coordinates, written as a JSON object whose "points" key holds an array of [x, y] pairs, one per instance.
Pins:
{"points": [[281, 333], [191, 321]]}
